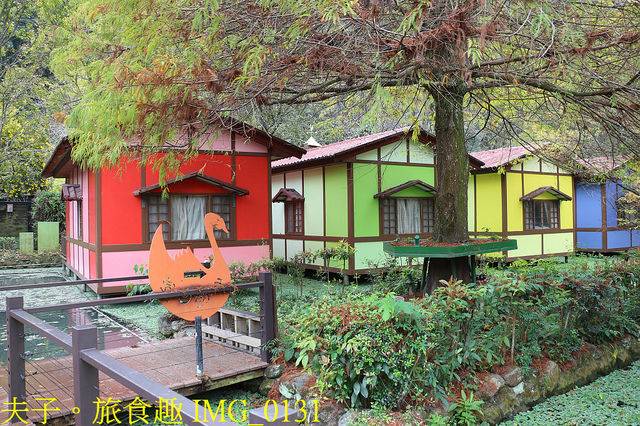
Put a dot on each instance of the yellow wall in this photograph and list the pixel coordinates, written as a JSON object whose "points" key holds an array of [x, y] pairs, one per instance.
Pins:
{"points": [[489, 208], [528, 245], [514, 205], [558, 243], [489, 202], [566, 207], [471, 205]]}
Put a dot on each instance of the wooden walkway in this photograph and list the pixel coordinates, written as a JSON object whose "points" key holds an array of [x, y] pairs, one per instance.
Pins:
{"points": [[170, 362]]}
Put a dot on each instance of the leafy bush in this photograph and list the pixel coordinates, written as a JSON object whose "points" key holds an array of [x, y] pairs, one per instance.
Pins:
{"points": [[48, 207], [381, 351], [8, 243]]}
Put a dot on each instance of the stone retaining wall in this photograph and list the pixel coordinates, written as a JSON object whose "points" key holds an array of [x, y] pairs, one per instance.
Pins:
{"points": [[504, 394], [511, 392]]}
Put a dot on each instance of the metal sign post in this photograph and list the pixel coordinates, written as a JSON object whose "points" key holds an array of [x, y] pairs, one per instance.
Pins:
{"points": [[199, 360]]}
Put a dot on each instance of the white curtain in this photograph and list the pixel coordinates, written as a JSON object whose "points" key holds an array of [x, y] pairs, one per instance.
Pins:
{"points": [[187, 217], [409, 216]]}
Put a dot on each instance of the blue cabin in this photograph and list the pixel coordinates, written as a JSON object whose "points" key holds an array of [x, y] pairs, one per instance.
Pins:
{"points": [[602, 217]]}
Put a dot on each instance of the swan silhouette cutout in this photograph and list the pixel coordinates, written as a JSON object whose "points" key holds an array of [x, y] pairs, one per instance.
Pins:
{"points": [[167, 274]]}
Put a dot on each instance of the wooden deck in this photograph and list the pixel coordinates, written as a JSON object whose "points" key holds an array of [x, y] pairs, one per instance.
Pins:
{"points": [[170, 362]]}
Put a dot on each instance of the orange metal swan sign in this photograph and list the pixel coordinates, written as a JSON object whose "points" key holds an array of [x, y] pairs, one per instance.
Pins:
{"points": [[167, 274]]}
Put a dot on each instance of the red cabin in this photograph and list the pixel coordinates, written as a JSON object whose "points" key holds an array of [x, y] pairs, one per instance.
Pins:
{"points": [[113, 213]]}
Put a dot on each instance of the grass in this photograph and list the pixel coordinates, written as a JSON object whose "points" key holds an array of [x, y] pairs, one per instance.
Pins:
{"points": [[143, 317], [291, 290], [288, 291]]}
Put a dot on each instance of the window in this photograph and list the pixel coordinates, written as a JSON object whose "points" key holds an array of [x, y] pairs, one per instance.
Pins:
{"points": [[185, 213], [79, 221], [294, 217], [407, 215], [628, 214], [541, 214]]}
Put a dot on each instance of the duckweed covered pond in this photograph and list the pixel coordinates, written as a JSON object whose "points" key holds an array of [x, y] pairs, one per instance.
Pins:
{"points": [[613, 399]]}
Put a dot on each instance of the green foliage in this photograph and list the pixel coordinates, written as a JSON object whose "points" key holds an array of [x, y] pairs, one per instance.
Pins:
{"points": [[48, 207], [380, 350], [465, 411], [9, 243]]}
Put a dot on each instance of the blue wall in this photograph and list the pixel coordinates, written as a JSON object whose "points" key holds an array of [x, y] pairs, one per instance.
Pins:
{"points": [[588, 205], [589, 240], [612, 212]]}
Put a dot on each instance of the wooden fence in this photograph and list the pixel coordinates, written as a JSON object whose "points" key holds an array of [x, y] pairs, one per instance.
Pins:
{"points": [[88, 360]]}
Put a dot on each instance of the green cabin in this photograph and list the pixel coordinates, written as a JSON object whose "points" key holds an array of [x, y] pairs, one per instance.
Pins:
{"points": [[364, 191], [521, 196]]}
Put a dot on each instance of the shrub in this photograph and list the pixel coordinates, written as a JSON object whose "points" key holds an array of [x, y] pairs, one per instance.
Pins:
{"points": [[385, 352], [8, 243], [48, 207]]}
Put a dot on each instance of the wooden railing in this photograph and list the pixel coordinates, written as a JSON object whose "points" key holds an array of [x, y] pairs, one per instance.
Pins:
{"points": [[88, 360]]}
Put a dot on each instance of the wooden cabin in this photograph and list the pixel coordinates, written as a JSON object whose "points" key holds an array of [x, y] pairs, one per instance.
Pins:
{"points": [[604, 221], [364, 191], [113, 213], [521, 196]]}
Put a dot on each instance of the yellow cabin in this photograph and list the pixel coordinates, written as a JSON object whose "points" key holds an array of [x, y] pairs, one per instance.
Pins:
{"points": [[520, 196]]}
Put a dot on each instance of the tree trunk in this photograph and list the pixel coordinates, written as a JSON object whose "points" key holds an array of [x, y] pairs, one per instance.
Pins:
{"points": [[452, 169], [452, 182]]}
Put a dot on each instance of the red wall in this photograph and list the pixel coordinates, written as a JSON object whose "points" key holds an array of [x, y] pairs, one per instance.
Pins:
{"points": [[121, 210], [252, 173]]}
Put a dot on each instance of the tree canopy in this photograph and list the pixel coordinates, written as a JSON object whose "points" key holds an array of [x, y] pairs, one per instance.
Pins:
{"points": [[159, 68], [27, 91]]}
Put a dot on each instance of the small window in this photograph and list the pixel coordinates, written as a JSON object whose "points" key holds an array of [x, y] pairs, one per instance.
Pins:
{"points": [[627, 212], [79, 222], [294, 217], [185, 214], [541, 214], [407, 215]]}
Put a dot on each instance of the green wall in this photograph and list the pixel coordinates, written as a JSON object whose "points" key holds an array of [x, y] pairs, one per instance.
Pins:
{"points": [[335, 197], [366, 210]]}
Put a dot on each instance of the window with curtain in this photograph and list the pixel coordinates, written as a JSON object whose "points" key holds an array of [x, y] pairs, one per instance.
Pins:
{"points": [[541, 214], [294, 217], [185, 213], [407, 215]]}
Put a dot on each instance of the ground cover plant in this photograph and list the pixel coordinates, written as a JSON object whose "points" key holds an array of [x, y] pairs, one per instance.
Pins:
{"points": [[611, 400], [377, 350], [370, 348]]}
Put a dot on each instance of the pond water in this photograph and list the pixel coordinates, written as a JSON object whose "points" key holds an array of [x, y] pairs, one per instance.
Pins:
{"points": [[111, 334]]}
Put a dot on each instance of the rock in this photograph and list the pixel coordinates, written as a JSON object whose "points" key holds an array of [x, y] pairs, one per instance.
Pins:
{"points": [[506, 400], [168, 324], [531, 394], [513, 376], [266, 386], [274, 371], [296, 388], [490, 386], [187, 330], [550, 376], [347, 418], [287, 391], [302, 384], [518, 389], [328, 414], [633, 345], [623, 357]]}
